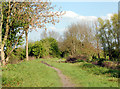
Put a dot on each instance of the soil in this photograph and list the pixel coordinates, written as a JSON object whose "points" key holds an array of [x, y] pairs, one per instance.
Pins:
{"points": [[64, 79]]}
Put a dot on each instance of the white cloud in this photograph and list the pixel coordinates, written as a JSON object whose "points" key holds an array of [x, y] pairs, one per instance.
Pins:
{"points": [[70, 14], [71, 17], [108, 16], [68, 18], [76, 17]]}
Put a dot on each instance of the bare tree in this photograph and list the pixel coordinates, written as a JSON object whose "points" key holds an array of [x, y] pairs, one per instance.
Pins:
{"points": [[78, 39]]}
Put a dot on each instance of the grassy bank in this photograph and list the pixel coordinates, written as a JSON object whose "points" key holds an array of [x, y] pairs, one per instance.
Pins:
{"points": [[85, 74], [29, 74]]}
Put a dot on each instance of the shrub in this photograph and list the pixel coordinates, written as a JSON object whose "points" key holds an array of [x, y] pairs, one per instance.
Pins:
{"points": [[88, 65], [44, 48], [54, 50], [79, 60], [100, 61], [17, 55], [113, 73], [95, 62]]}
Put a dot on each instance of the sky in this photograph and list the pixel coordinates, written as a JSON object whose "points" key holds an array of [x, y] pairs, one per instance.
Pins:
{"points": [[76, 12]]}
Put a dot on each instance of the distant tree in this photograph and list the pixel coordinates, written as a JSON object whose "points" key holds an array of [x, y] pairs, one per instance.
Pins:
{"points": [[43, 48], [50, 34], [54, 50], [78, 39], [97, 39], [109, 36]]}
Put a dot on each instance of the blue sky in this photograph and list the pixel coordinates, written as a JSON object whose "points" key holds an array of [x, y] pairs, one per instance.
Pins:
{"points": [[76, 11], [89, 8]]}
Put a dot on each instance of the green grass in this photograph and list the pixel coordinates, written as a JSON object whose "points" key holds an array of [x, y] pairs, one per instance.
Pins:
{"points": [[85, 77], [100, 70], [35, 74], [29, 74]]}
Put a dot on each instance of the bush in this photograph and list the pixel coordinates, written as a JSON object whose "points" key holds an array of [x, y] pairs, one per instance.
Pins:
{"points": [[88, 65], [100, 61], [54, 50], [113, 73], [17, 55], [44, 48], [79, 60], [95, 62], [118, 67], [71, 59]]}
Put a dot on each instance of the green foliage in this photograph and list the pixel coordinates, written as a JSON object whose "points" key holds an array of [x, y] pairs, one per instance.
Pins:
{"points": [[17, 55], [109, 36], [54, 50], [88, 65], [37, 49], [79, 60], [44, 47], [14, 28], [100, 61]]}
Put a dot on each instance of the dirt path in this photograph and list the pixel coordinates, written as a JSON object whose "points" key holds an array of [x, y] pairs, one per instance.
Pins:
{"points": [[65, 80]]}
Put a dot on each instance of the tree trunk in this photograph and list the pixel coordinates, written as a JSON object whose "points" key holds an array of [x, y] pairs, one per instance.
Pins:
{"points": [[104, 54], [7, 59], [74, 48], [2, 56], [5, 37], [26, 33], [110, 55], [98, 49], [1, 50]]}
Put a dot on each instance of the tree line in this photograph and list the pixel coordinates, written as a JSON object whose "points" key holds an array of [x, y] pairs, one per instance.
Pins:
{"points": [[97, 39]]}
